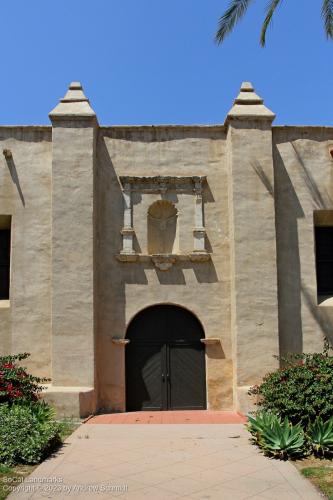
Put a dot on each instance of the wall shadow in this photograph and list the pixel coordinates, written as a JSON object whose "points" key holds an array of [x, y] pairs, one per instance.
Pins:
{"points": [[13, 173], [215, 351], [135, 273], [110, 294], [164, 133], [322, 317], [321, 201], [292, 290], [288, 210]]}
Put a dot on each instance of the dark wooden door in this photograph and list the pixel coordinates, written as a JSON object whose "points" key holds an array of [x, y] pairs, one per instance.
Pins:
{"points": [[187, 381], [165, 361], [144, 368]]}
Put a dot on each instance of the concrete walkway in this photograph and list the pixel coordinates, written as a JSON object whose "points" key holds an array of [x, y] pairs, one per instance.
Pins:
{"points": [[160, 462]]}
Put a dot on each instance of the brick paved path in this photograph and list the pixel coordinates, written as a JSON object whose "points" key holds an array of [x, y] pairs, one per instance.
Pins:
{"points": [[170, 417]]}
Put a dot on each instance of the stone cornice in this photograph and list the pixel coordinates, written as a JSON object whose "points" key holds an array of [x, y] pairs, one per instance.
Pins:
{"points": [[210, 341], [164, 261], [161, 183]]}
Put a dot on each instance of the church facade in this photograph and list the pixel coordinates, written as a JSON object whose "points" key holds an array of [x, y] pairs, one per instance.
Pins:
{"points": [[163, 267]]}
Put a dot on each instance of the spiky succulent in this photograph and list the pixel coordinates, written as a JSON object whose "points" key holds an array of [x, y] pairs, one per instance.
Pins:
{"points": [[261, 421], [276, 438], [320, 435]]}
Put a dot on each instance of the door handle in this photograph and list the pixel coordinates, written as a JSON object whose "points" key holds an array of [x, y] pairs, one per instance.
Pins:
{"points": [[163, 378], [168, 376]]}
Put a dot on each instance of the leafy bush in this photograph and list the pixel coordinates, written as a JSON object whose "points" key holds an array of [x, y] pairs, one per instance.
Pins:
{"points": [[301, 390], [16, 385], [320, 435], [277, 439], [25, 436]]}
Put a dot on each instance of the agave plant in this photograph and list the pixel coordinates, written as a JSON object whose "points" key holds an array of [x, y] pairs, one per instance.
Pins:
{"points": [[320, 435], [276, 438], [261, 421], [283, 440]]}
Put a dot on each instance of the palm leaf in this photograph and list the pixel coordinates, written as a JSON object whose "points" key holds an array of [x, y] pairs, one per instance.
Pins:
{"points": [[233, 14], [271, 7], [327, 15]]}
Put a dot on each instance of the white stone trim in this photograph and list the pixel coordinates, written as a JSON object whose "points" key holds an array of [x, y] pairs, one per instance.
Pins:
{"points": [[127, 232], [210, 341], [162, 184], [199, 231], [164, 261], [120, 342]]}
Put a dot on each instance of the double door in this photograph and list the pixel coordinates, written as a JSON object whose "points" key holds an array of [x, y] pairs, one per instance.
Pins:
{"points": [[165, 360], [165, 375]]}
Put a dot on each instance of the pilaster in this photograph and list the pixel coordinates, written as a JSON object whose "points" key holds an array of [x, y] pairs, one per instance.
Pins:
{"points": [[253, 242], [74, 136]]}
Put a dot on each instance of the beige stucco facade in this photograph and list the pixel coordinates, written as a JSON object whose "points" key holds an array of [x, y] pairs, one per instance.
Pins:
{"points": [[243, 199]]}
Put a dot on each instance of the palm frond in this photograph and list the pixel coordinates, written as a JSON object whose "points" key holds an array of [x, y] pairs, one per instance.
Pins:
{"points": [[233, 14], [327, 15], [271, 7]]}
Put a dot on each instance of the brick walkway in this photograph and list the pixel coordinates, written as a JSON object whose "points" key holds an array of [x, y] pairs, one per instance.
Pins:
{"points": [[170, 417], [163, 462]]}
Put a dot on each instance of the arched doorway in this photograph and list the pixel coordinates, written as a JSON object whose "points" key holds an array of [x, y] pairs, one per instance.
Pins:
{"points": [[165, 360]]}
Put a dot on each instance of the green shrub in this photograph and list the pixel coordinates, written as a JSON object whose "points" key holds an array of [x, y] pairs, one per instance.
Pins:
{"points": [[25, 436], [320, 435], [16, 385], [301, 390], [276, 438]]}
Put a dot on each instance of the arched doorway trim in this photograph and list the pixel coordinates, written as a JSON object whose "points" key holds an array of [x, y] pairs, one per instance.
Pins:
{"points": [[175, 304]]}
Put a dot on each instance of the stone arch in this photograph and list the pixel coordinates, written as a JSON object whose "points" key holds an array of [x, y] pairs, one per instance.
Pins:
{"points": [[188, 309], [162, 220]]}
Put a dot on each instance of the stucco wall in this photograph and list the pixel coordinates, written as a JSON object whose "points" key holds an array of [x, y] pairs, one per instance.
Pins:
{"points": [[25, 193], [73, 360], [303, 184], [126, 288], [253, 263], [239, 219]]}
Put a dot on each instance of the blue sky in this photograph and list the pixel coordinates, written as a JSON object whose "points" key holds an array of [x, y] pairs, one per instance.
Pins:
{"points": [[155, 61]]}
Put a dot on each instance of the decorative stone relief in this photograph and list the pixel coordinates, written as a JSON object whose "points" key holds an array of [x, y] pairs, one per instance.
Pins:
{"points": [[162, 220], [127, 231], [161, 183], [163, 261], [162, 227], [199, 232]]}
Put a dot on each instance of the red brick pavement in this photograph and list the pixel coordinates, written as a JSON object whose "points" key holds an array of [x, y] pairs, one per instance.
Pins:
{"points": [[170, 417]]}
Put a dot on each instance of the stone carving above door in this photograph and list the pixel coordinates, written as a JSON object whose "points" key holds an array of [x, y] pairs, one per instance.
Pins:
{"points": [[162, 228], [162, 220]]}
